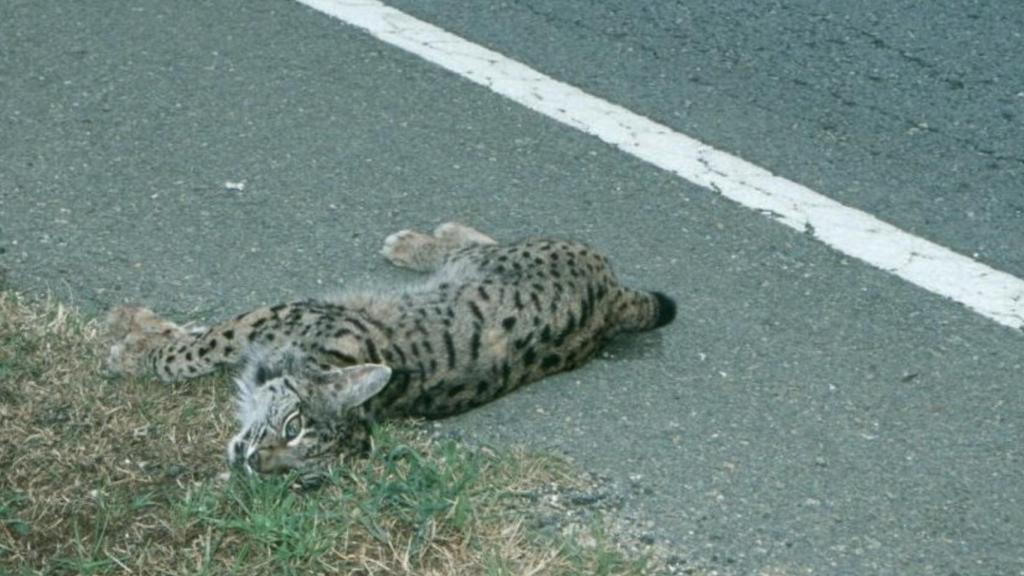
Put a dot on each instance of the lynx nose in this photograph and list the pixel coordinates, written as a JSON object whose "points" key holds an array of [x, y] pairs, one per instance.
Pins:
{"points": [[253, 460], [240, 459], [236, 456]]}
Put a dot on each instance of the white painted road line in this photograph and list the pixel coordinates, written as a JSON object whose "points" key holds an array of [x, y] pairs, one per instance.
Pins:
{"points": [[987, 291]]}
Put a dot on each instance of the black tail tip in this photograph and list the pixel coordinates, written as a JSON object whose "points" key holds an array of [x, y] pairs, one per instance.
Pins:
{"points": [[666, 310]]}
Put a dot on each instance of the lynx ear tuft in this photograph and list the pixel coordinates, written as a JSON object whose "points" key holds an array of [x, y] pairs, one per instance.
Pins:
{"points": [[357, 384], [338, 390]]}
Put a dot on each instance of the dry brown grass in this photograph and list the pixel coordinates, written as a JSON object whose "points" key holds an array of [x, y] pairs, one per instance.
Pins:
{"points": [[107, 476]]}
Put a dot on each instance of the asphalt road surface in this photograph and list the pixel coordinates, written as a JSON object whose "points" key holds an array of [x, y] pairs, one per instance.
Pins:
{"points": [[806, 414]]}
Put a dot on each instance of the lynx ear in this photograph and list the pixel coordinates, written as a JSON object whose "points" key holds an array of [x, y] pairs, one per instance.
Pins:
{"points": [[340, 389]]}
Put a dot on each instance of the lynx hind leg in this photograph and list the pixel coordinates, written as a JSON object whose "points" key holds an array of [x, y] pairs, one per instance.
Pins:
{"points": [[417, 251], [135, 331], [461, 235], [413, 250]]}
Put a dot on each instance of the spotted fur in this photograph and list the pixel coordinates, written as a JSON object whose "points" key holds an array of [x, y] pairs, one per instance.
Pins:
{"points": [[490, 318]]}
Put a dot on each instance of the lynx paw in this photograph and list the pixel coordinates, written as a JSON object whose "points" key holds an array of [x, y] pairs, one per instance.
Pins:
{"points": [[406, 248], [135, 331], [460, 234]]}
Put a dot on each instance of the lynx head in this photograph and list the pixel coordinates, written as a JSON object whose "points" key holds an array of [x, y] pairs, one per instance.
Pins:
{"points": [[296, 416]]}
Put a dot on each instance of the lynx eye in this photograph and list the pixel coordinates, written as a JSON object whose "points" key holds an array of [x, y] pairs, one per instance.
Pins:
{"points": [[292, 427]]}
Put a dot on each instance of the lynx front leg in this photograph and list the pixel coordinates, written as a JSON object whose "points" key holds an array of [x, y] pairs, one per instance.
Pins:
{"points": [[145, 343], [137, 332]]}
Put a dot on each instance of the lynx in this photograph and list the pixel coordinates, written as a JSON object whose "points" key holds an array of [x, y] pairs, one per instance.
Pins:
{"points": [[488, 319]]}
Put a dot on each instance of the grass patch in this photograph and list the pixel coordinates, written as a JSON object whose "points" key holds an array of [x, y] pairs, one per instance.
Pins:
{"points": [[104, 476]]}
